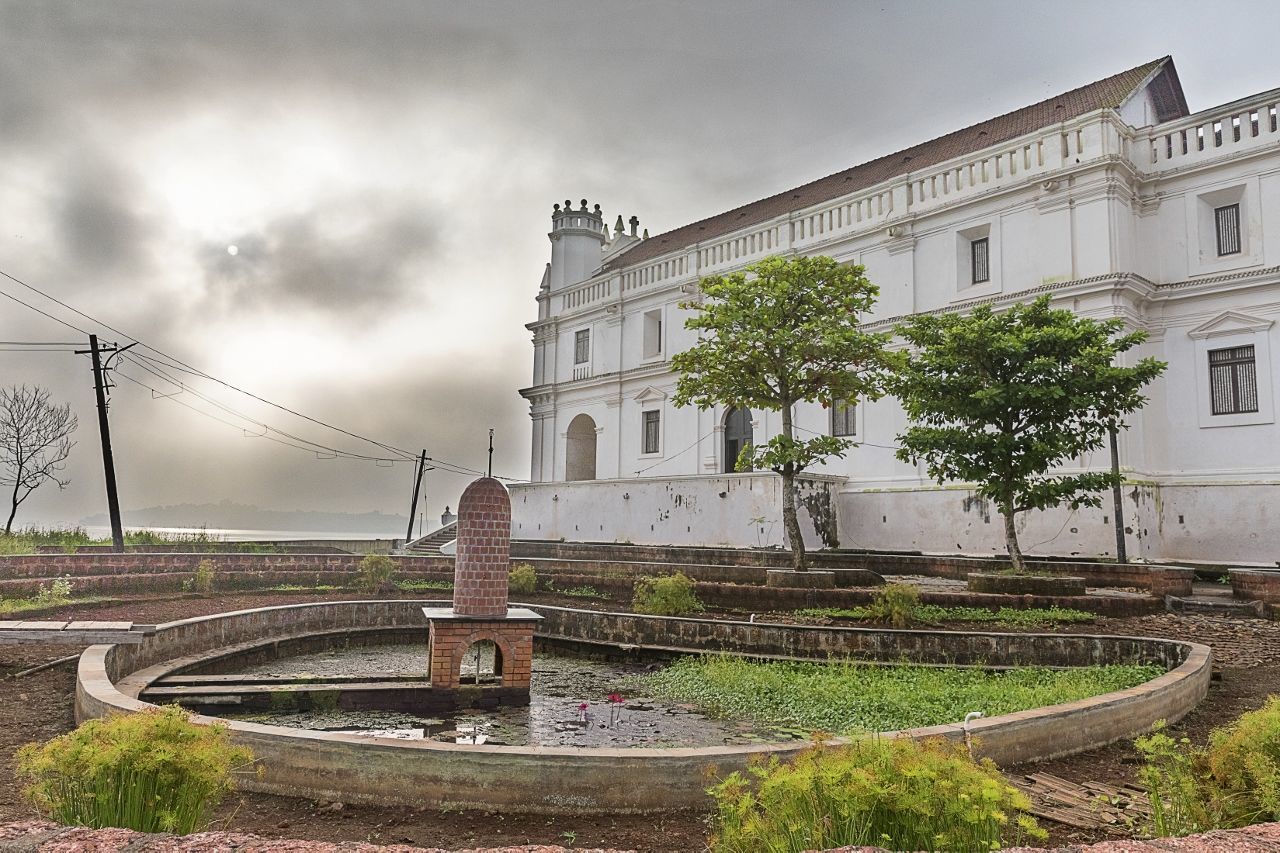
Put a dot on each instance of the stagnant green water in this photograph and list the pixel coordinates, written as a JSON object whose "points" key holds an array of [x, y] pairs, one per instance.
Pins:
{"points": [[698, 701]]}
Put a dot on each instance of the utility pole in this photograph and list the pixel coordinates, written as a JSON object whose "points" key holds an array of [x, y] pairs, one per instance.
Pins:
{"points": [[1121, 554], [417, 486], [100, 388]]}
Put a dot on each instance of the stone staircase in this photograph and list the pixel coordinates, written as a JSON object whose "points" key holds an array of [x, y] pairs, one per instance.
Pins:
{"points": [[430, 544], [1214, 599]]}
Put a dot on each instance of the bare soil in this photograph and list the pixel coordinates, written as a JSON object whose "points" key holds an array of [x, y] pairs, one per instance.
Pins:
{"points": [[37, 707]]}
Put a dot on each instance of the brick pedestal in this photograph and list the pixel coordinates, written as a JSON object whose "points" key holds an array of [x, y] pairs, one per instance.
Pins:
{"points": [[479, 611], [452, 634]]}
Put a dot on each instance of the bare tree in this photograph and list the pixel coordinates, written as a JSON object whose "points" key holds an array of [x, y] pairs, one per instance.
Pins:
{"points": [[35, 441]]}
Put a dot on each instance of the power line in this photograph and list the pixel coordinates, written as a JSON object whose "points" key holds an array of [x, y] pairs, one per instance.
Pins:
{"points": [[183, 387], [39, 311], [41, 343], [179, 364], [333, 452], [162, 360]]}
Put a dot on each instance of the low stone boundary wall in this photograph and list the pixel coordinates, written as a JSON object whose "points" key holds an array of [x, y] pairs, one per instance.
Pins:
{"points": [[329, 765], [1136, 575], [1257, 585]]}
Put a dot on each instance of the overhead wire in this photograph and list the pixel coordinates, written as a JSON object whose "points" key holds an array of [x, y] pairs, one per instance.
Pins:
{"points": [[162, 360], [291, 439], [178, 363], [331, 453], [40, 311]]}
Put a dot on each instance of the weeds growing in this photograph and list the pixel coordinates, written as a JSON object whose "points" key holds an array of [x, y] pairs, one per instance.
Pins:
{"points": [[845, 697], [935, 613]]}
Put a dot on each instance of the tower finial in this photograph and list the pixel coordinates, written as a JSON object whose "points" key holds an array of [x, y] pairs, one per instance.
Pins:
{"points": [[635, 224], [618, 227]]}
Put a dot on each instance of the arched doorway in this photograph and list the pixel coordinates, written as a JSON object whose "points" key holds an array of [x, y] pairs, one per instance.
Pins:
{"points": [[580, 449], [737, 434]]}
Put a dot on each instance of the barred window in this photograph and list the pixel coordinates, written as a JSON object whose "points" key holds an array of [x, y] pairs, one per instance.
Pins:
{"points": [[844, 417], [651, 422], [582, 346], [979, 250], [1227, 221], [1233, 380]]}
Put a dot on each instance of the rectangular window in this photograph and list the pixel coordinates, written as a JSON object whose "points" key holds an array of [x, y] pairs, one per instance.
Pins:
{"points": [[1233, 380], [844, 417], [582, 346], [1227, 221], [981, 260], [651, 422], [653, 333]]}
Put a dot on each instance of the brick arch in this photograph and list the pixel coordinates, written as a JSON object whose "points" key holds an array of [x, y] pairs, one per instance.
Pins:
{"points": [[450, 640], [506, 652]]}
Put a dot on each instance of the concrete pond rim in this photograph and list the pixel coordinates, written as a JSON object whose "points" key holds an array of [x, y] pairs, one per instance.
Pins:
{"points": [[360, 768]]}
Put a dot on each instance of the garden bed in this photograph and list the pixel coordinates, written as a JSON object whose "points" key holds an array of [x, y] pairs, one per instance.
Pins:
{"points": [[1002, 583]]}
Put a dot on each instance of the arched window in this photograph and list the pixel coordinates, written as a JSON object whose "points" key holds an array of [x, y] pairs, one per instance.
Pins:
{"points": [[580, 449], [737, 434]]}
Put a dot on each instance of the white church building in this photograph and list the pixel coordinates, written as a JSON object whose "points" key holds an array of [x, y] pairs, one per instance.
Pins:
{"points": [[1114, 198]]}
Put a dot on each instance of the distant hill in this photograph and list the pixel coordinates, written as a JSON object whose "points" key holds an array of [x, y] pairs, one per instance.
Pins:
{"points": [[226, 514]]}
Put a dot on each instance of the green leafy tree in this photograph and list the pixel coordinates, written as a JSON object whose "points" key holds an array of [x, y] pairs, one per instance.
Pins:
{"points": [[1001, 399], [784, 331]]}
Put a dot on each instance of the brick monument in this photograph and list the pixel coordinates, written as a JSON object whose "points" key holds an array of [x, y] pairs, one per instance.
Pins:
{"points": [[479, 610]]}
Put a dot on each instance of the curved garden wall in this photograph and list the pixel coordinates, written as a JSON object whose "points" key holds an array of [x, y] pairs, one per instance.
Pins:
{"points": [[327, 765]]}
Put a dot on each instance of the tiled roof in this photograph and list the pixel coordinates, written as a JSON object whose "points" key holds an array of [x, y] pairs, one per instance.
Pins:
{"points": [[1108, 93]]}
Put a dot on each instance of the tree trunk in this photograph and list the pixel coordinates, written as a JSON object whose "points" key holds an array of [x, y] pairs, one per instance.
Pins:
{"points": [[1011, 541], [8, 525], [790, 521]]}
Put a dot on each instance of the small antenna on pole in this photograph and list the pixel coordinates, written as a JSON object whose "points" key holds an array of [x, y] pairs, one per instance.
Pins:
{"points": [[490, 451]]}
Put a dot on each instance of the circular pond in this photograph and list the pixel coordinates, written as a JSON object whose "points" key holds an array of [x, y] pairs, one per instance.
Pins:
{"points": [[625, 767]]}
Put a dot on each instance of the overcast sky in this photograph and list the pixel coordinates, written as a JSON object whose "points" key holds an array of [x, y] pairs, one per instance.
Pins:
{"points": [[386, 170]]}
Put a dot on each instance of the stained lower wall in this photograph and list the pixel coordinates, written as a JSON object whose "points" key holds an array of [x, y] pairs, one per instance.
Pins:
{"points": [[737, 510], [1237, 524]]}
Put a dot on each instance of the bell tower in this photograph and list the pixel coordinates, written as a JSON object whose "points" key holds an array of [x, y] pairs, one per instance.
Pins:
{"points": [[577, 237]]}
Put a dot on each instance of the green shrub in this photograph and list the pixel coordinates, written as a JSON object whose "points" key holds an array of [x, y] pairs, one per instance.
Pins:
{"points": [[375, 572], [154, 771], [523, 579], [894, 793], [1175, 789], [1232, 782], [1243, 764], [202, 581], [896, 603], [668, 595]]}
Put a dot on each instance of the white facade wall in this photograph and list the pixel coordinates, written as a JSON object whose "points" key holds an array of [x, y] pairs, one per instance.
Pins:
{"points": [[1110, 219], [728, 510]]}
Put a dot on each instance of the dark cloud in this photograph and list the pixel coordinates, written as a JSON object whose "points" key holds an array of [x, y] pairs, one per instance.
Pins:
{"points": [[99, 219], [354, 255]]}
